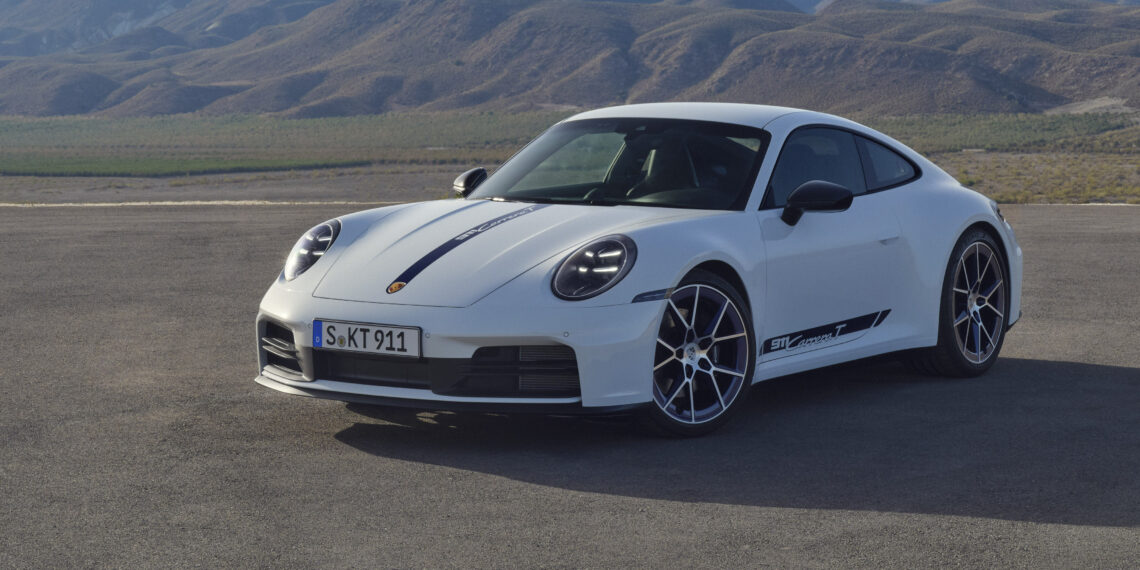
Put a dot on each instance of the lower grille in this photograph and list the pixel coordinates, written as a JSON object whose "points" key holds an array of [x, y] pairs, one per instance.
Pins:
{"points": [[501, 371], [372, 370], [556, 353], [548, 384]]}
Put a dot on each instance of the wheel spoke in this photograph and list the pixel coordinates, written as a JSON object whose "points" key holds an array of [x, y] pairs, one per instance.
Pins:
{"points": [[977, 340], [664, 362], [676, 390], [693, 316], [961, 291], [728, 337], [963, 317], [677, 311], [719, 396], [993, 289], [719, 318], [977, 265], [984, 270], [989, 338], [728, 371], [671, 348], [994, 309], [692, 404]]}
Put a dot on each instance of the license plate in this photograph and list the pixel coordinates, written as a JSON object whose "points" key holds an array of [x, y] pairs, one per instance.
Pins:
{"points": [[373, 339]]}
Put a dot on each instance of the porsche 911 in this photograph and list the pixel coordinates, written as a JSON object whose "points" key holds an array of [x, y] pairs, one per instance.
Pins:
{"points": [[655, 260]]}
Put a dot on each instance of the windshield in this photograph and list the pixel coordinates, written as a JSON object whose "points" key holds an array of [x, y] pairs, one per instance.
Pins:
{"points": [[651, 162]]}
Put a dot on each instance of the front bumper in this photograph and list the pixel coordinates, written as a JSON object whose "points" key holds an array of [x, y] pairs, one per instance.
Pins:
{"points": [[452, 405], [614, 348]]}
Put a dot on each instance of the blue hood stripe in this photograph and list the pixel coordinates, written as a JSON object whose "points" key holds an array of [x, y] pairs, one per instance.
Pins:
{"points": [[411, 272]]}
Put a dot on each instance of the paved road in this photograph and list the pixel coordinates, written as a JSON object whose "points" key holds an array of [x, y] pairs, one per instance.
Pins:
{"points": [[134, 435]]}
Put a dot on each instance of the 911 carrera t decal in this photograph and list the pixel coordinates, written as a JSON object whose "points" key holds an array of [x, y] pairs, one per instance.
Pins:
{"points": [[411, 272], [824, 334]]}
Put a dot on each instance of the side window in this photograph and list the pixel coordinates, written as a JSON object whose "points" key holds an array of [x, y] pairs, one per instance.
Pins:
{"points": [[816, 153], [883, 166]]}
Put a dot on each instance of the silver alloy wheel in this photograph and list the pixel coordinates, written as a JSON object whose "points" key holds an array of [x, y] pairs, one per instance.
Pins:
{"points": [[702, 355], [979, 302]]}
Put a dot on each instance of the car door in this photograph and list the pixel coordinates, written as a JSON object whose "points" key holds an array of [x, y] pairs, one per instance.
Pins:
{"points": [[831, 276]]}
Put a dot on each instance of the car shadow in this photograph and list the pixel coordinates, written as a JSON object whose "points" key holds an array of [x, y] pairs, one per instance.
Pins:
{"points": [[1032, 440]]}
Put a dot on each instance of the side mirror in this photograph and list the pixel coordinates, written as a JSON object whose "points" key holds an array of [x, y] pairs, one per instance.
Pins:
{"points": [[468, 181], [816, 196]]}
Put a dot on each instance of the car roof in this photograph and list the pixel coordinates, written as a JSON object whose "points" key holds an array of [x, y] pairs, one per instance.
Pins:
{"points": [[739, 113]]}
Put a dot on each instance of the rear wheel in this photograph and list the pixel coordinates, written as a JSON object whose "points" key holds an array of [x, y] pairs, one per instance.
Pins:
{"points": [[704, 357], [974, 309]]}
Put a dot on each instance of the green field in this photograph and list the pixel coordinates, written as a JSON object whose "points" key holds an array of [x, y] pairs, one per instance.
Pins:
{"points": [[181, 145], [1014, 158]]}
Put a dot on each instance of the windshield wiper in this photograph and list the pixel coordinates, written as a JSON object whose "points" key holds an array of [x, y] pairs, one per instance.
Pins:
{"points": [[541, 200], [603, 201], [535, 200]]}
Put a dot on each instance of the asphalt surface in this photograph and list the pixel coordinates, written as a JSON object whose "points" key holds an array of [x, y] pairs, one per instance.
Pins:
{"points": [[134, 435]]}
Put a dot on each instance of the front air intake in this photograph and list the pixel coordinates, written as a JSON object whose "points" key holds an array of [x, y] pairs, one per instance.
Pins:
{"points": [[280, 351], [528, 371]]}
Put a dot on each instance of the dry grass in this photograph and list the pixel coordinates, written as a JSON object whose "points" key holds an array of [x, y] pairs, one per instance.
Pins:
{"points": [[184, 145], [1047, 177]]}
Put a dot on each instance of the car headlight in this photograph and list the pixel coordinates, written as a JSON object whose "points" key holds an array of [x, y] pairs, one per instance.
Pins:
{"points": [[310, 248], [594, 268]]}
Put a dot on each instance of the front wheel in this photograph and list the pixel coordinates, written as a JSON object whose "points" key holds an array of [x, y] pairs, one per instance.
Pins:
{"points": [[974, 308], [704, 357]]}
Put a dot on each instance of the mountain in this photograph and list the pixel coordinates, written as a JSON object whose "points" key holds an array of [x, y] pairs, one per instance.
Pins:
{"points": [[313, 58]]}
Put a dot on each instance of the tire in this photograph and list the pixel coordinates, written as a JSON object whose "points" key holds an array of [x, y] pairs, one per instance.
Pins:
{"points": [[973, 313], [704, 358]]}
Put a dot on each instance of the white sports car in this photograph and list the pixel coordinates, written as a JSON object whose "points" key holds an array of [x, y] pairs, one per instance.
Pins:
{"points": [[659, 258]]}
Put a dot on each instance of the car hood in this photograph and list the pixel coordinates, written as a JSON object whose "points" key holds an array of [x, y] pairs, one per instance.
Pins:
{"points": [[452, 253]]}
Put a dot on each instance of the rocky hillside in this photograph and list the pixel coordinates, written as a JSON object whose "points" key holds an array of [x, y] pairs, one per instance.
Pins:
{"points": [[311, 58]]}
